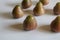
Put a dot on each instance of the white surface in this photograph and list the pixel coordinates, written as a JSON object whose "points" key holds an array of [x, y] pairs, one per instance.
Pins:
{"points": [[9, 33]]}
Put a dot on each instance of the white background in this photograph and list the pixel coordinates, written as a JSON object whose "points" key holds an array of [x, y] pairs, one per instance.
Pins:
{"points": [[8, 30]]}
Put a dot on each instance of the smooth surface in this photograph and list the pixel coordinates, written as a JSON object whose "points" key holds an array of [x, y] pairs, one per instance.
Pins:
{"points": [[9, 27]]}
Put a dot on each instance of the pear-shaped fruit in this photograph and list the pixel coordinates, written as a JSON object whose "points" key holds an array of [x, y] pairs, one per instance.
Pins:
{"points": [[44, 2], [29, 23], [26, 4], [39, 10], [17, 12], [55, 25], [57, 9]]}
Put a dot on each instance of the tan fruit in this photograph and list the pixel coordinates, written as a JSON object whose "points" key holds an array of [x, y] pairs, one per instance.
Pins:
{"points": [[57, 9], [39, 10], [26, 4], [17, 12], [44, 2], [30, 23], [55, 25]]}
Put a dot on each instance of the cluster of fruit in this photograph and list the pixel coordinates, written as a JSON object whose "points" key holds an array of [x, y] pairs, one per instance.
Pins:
{"points": [[30, 22]]}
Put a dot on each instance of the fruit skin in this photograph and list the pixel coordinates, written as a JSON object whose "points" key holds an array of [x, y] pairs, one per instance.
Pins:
{"points": [[17, 12], [39, 10], [44, 2], [56, 9], [26, 4], [55, 25], [29, 23]]}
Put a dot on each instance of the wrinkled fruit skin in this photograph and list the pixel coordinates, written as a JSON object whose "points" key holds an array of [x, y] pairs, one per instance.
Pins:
{"points": [[17, 12], [39, 10], [55, 25], [26, 4], [45, 2], [57, 9], [30, 23]]}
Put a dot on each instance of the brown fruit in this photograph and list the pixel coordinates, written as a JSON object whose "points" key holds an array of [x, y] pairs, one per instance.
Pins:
{"points": [[57, 9], [29, 23], [17, 12], [44, 2], [55, 25], [39, 10], [26, 4]]}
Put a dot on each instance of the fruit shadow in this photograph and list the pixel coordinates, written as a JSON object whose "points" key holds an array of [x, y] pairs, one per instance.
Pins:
{"points": [[45, 28], [49, 12], [28, 12], [16, 27], [34, 2], [6, 15]]}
